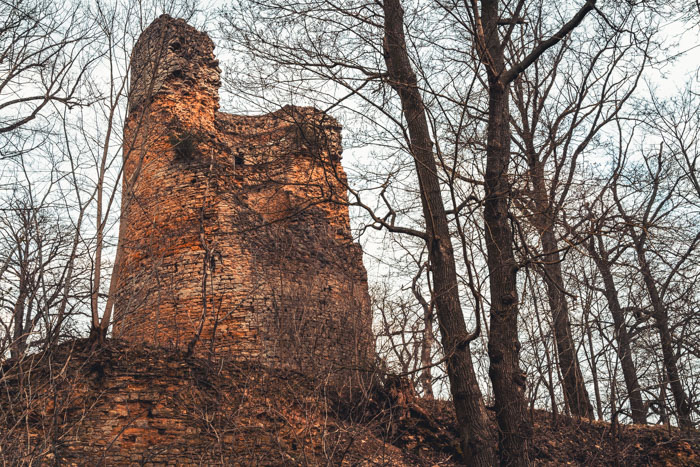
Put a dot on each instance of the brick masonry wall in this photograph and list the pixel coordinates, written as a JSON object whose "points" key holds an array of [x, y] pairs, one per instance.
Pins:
{"points": [[133, 405], [235, 228]]}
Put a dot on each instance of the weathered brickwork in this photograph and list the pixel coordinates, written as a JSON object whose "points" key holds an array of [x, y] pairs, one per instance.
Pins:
{"points": [[233, 227], [132, 405]]}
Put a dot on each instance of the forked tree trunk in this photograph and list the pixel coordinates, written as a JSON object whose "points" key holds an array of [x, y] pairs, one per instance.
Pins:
{"points": [[503, 346], [514, 430]]}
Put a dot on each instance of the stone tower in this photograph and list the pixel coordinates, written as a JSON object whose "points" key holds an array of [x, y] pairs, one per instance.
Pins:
{"points": [[235, 235]]}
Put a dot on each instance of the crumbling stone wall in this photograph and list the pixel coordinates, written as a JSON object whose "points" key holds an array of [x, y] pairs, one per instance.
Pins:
{"points": [[234, 228], [131, 405]]}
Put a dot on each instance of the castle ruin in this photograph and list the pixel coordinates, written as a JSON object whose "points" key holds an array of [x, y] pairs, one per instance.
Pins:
{"points": [[235, 234]]}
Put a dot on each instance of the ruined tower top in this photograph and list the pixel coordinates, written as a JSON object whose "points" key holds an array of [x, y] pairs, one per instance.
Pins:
{"points": [[235, 232], [171, 58]]}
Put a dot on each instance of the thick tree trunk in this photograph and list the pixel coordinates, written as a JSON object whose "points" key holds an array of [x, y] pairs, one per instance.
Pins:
{"points": [[661, 321], [629, 370], [97, 337], [503, 347], [469, 406], [508, 380]]}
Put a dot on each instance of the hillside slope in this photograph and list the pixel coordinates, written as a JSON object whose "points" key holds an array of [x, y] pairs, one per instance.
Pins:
{"points": [[151, 406]]}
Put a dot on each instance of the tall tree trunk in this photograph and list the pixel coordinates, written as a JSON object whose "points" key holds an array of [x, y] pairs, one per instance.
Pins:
{"points": [[503, 347], [629, 370], [550, 364], [542, 217], [469, 406], [545, 210], [508, 380], [574, 388], [661, 321]]}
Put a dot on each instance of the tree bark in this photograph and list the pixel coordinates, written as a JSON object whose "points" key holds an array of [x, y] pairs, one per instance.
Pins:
{"points": [[592, 362], [19, 337], [661, 322], [469, 406], [574, 388], [514, 430], [629, 370], [542, 218]]}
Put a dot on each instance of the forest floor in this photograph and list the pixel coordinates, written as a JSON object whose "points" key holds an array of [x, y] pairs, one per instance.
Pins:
{"points": [[121, 405]]}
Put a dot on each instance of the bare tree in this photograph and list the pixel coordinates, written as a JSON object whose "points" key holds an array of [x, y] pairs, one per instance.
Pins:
{"points": [[63, 133], [42, 60], [647, 213], [455, 338], [37, 260], [44, 63], [506, 376], [604, 259]]}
